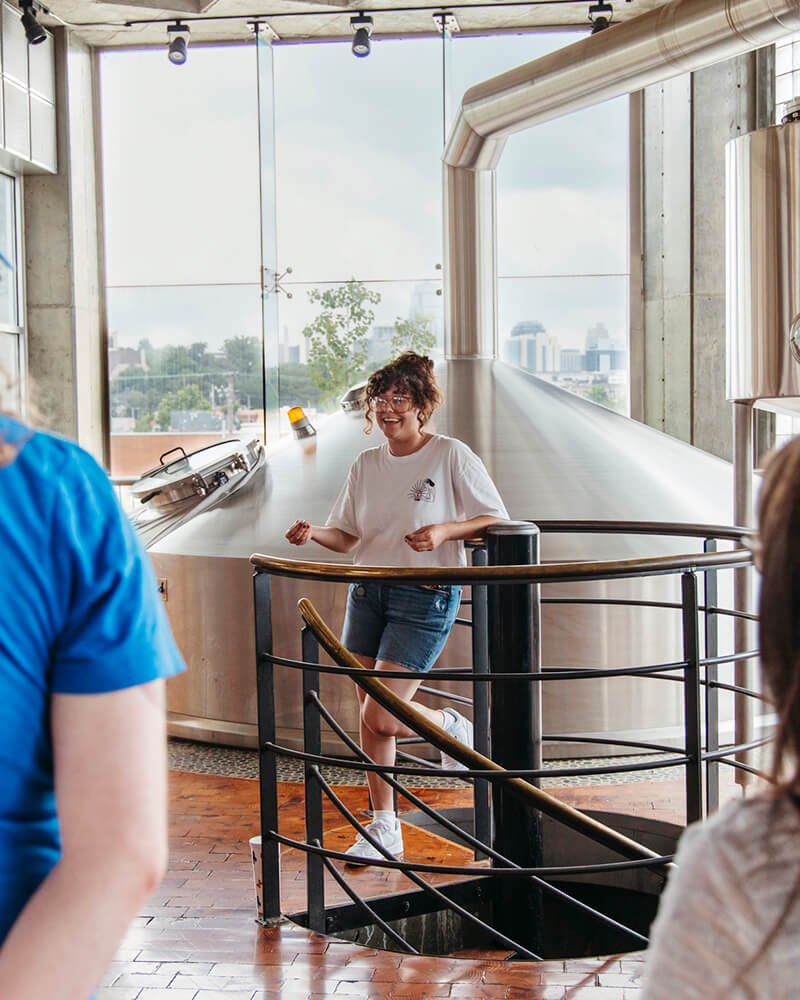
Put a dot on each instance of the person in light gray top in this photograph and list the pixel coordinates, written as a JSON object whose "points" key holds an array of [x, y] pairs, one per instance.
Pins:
{"points": [[728, 924]]}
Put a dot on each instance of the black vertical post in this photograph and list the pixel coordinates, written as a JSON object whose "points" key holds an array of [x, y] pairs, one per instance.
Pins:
{"points": [[480, 702], [711, 621], [267, 763], [312, 744], [516, 722], [691, 698]]}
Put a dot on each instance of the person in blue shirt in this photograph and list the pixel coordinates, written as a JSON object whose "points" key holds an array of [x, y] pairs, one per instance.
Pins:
{"points": [[84, 650]]}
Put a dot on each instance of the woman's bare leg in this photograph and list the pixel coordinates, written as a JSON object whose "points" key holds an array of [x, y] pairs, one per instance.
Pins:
{"points": [[380, 729]]}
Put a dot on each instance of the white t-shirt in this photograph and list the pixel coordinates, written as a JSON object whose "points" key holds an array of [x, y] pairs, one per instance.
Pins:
{"points": [[386, 496], [734, 875]]}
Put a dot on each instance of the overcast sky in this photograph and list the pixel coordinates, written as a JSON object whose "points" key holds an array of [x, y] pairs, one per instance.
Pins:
{"points": [[359, 188]]}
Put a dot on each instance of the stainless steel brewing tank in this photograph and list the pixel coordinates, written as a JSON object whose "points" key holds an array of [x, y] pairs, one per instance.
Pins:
{"points": [[763, 263], [552, 455]]}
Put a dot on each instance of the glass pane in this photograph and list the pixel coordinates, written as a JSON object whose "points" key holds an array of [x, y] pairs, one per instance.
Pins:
{"points": [[572, 331], [783, 59], [180, 166], [269, 236], [783, 93], [478, 58], [185, 367], [562, 195], [359, 171], [398, 315], [8, 253]]}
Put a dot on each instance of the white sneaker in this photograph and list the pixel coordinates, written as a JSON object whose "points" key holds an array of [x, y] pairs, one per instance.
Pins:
{"points": [[388, 836], [459, 728]]}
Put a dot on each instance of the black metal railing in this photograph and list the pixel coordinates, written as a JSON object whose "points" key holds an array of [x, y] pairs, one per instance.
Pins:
{"points": [[503, 597]]}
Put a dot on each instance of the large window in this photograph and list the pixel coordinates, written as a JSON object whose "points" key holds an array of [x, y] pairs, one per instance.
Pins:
{"points": [[562, 202], [11, 331], [359, 222], [787, 71], [180, 172]]}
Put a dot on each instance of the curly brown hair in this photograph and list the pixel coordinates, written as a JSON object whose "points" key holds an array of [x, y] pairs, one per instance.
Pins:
{"points": [[413, 374]]}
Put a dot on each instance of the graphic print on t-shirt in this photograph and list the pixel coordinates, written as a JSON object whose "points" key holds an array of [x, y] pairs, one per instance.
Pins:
{"points": [[423, 489]]}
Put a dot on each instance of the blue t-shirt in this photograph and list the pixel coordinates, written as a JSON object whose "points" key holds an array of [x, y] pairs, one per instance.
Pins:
{"points": [[79, 614]]}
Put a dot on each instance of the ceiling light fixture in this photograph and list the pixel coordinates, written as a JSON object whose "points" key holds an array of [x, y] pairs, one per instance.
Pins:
{"points": [[597, 16], [362, 26], [34, 32], [178, 42]]}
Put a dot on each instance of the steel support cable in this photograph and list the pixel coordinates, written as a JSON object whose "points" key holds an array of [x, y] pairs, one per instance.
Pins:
{"points": [[741, 766], [416, 879], [440, 772], [544, 873], [468, 838], [410, 872], [713, 661], [464, 674], [738, 689], [509, 865], [535, 797], [736, 748], [363, 904]]}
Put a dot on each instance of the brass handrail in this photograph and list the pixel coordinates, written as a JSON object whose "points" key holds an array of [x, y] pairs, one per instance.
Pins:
{"points": [[548, 573], [536, 797]]}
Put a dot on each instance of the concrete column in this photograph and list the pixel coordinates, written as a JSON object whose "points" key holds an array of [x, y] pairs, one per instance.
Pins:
{"points": [[63, 261], [687, 122]]}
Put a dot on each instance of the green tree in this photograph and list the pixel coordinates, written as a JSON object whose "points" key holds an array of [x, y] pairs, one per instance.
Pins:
{"points": [[599, 394], [243, 358], [188, 398], [337, 338], [297, 386], [414, 334]]}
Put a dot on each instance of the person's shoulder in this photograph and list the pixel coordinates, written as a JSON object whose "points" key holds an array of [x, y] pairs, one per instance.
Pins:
{"points": [[369, 456], [46, 453], [452, 446], [750, 832]]}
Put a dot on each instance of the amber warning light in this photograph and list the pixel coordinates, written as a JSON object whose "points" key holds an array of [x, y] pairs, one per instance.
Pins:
{"points": [[301, 425]]}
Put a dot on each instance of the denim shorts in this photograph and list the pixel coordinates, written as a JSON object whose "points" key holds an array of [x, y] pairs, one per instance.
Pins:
{"points": [[404, 624]]}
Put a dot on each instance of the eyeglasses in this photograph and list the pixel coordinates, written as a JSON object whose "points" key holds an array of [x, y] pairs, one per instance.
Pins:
{"points": [[397, 403]]}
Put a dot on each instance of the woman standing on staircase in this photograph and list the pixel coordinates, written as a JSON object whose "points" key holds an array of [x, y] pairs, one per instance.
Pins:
{"points": [[409, 502]]}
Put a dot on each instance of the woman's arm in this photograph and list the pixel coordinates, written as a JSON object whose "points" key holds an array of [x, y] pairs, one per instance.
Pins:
{"points": [[431, 536], [334, 539], [110, 781]]}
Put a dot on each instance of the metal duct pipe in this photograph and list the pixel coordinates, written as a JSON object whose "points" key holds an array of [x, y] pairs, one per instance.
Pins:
{"points": [[679, 37]]}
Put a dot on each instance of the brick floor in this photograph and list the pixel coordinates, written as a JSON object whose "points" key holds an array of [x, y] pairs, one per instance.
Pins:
{"points": [[197, 938]]}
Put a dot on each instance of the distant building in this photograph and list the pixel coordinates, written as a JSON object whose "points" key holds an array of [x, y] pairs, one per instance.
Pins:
{"points": [[120, 358], [604, 353], [527, 328], [288, 353], [379, 344], [530, 346], [571, 360]]}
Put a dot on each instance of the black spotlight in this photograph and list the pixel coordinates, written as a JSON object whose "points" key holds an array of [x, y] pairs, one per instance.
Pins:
{"points": [[34, 32], [600, 15], [362, 26], [178, 39]]}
